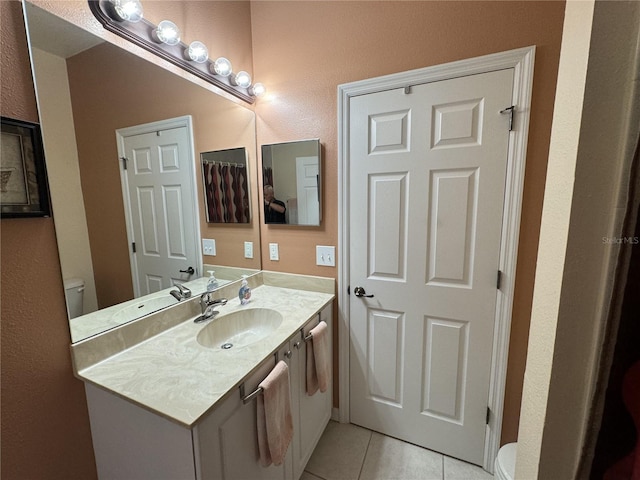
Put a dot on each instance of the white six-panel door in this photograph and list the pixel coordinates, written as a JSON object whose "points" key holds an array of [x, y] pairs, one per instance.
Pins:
{"points": [[159, 189], [307, 190], [427, 181]]}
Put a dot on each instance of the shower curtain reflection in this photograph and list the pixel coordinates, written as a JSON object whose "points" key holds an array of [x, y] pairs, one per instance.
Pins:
{"points": [[226, 187]]}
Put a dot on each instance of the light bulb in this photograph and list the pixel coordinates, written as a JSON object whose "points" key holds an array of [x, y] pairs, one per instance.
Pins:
{"points": [[221, 67], [167, 32], [257, 89], [129, 10], [241, 79], [197, 52]]}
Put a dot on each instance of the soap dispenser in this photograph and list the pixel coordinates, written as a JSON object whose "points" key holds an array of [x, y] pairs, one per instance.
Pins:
{"points": [[244, 294], [212, 283]]}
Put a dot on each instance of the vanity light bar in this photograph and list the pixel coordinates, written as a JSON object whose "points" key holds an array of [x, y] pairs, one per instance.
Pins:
{"points": [[191, 57]]}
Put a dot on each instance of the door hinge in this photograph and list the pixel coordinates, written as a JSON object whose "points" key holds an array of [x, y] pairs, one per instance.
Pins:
{"points": [[407, 90], [499, 280], [133, 247], [124, 162], [488, 415], [510, 111]]}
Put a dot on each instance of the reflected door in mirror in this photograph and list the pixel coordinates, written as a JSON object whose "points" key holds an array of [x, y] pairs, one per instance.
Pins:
{"points": [[160, 197]]}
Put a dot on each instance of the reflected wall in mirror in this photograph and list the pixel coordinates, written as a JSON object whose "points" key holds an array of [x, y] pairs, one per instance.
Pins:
{"points": [[226, 179], [291, 175], [86, 90]]}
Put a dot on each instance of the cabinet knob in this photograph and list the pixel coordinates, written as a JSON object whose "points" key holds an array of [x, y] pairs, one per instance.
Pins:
{"points": [[297, 344], [288, 354]]}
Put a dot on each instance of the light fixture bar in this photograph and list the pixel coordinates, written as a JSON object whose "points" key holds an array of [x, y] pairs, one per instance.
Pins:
{"points": [[141, 33]]}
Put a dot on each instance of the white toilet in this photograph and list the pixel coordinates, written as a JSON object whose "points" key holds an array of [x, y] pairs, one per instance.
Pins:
{"points": [[74, 293], [505, 466]]}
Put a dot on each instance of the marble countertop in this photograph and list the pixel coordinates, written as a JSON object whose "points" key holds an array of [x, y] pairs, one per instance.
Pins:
{"points": [[172, 375]]}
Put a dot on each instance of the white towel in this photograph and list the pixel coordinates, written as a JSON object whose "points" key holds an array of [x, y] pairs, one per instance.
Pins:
{"points": [[318, 359], [275, 424]]}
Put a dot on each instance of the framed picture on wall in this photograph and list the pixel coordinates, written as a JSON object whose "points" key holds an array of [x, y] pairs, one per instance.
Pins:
{"points": [[24, 190]]}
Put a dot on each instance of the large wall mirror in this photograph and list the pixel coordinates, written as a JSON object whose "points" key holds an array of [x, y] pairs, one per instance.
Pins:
{"points": [[291, 176], [87, 90]]}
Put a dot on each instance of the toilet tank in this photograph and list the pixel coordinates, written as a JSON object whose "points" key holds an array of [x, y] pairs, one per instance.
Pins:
{"points": [[74, 293]]}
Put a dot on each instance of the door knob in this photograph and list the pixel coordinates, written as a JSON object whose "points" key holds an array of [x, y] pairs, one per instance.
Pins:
{"points": [[189, 270], [360, 292]]}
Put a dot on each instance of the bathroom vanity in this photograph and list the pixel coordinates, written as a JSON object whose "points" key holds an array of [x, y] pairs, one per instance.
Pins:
{"points": [[167, 406]]}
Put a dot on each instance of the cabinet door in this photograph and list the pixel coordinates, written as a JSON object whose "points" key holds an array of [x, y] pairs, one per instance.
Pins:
{"points": [[226, 442], [312, 412]]}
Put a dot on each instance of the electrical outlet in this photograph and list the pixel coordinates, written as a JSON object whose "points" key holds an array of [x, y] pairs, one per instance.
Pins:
{"points": [[273, 252], [209, 246], [248, 249], [325, 256]]}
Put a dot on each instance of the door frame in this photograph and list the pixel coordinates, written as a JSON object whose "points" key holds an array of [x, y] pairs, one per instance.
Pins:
{"points": [[522, 61], [122, 133]]}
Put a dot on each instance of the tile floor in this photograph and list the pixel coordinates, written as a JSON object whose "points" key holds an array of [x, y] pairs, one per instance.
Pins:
{"points": [[349, 452]]}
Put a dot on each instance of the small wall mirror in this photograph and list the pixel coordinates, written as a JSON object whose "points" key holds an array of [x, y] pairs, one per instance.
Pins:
{"points": [[292, 183], [225, 178]]}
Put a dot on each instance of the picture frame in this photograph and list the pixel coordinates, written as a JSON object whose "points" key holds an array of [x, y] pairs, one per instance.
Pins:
{"points": [[24, 190]]}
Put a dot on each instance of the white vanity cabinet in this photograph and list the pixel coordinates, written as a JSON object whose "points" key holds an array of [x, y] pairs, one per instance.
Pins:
{"points": [[225, 441], [131, 442], [311, 413]]}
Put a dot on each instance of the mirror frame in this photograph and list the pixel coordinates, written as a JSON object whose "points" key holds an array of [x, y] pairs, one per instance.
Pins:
{"points": [[319, 182]]}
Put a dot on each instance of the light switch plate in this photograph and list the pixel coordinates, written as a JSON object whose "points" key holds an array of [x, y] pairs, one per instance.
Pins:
{"points": [[273, 252], [248, 249], [325, 256], [208, 246]]}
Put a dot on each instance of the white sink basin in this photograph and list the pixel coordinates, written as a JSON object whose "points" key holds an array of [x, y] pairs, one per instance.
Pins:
{"points": [[144, 307], [240, 328]]}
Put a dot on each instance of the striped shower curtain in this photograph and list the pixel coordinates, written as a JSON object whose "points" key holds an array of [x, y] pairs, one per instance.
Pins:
{"points": [[227, 193], [267, 176]]}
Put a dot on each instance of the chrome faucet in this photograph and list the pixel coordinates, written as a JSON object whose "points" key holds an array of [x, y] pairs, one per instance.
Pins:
{"points": [[208, 306], [182, 292]]}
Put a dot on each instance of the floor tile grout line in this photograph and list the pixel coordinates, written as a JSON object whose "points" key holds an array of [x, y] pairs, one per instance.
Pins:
{"points": [[364, 459], [314, 474]]}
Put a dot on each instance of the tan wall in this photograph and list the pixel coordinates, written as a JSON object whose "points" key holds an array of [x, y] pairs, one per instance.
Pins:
{"points": [[45, 425], [61, 153], [139, 93], [304, 50], [585, 203]]}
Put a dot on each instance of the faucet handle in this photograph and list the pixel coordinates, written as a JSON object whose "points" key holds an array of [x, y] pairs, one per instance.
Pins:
{"points": [[184, 291]]}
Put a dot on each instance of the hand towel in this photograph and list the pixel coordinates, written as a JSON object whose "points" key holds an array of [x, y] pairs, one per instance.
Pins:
{"points": [[275, 424], [318, 359]]}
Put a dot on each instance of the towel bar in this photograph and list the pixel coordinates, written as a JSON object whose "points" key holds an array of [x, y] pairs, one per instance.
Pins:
{"points": [[247, 398], [307, 338]]}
